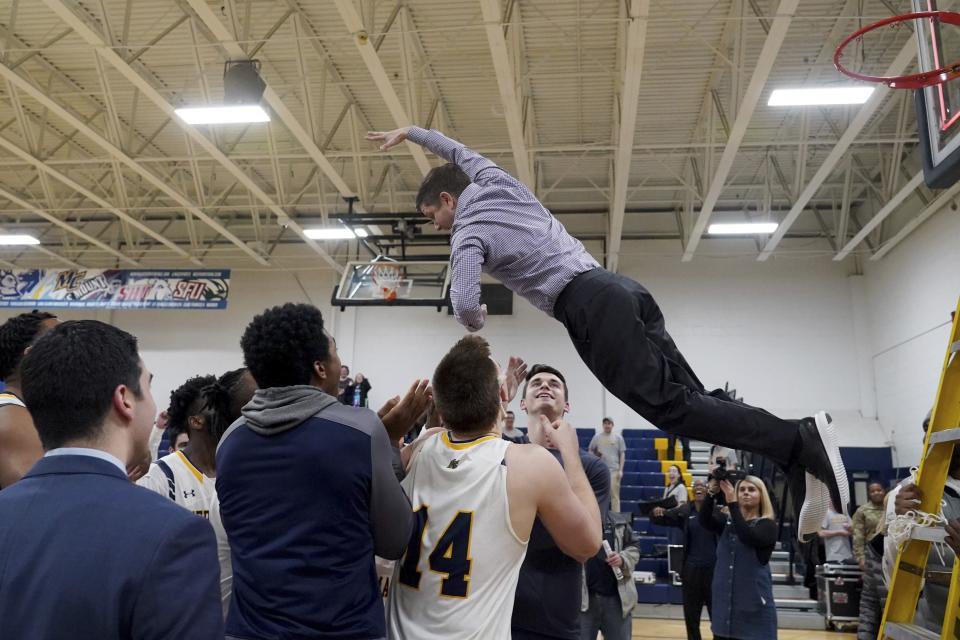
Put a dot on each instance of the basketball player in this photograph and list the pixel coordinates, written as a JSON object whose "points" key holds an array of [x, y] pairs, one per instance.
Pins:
{"points": [[187, 476], [547, 603], [475, 497], [500, 227], [19, 443]]}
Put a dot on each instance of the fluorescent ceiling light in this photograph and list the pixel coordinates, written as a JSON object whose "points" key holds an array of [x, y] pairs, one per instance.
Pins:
{"points": [[741, 228], [329, 233], [233, 114], [819, 96], [15, 239]]}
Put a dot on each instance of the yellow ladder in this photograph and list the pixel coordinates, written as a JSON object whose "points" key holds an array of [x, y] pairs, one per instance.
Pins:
{"points": [[908, 575]]}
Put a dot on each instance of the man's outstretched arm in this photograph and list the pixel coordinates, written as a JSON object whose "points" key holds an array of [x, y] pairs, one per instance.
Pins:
{"points": [[479, 169], [466, 261]]}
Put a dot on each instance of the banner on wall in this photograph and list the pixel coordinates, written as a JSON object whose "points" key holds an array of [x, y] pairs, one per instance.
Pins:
{"points": [[115, 288]]}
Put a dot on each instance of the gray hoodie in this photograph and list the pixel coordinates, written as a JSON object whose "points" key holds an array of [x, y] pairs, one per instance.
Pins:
{"points": [[279, 409]]}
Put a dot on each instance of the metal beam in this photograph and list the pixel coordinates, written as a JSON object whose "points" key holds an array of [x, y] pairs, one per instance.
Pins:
{"points": [[122, 215], [20, 202], [37, 94], [507, 83], [636, 36], [896, 68], [881, 215], [146, 88], [234, 51], [351, 18], [765, 61], [934, 207]]}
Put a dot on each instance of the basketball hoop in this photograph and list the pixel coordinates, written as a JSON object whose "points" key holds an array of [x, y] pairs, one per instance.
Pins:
{"points": [[387, 277], [913, 81]]}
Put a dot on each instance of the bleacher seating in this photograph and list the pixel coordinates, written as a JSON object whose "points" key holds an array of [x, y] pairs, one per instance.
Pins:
{"points": [[644, 477]]}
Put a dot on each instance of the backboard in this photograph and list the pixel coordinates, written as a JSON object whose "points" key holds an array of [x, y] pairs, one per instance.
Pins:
{"points": [[938, 107], [391, 283]]}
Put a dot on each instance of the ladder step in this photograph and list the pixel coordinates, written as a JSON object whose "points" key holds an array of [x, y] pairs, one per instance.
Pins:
{"points": [[947, 435], [930, 534], [900, 631]]}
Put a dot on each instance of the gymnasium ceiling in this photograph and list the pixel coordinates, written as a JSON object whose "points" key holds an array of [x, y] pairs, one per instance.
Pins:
{"points": [[94, 163]]}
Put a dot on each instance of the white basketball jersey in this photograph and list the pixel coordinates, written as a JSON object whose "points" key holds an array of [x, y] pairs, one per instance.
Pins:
{"points": [[190, 489], [459, 575]]}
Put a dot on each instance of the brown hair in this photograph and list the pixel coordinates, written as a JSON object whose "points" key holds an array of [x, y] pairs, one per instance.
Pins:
{"points": [[446, 178], [466, 388]]}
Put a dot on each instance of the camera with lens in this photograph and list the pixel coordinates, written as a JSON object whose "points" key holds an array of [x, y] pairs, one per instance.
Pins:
{"points": [[733, 476]]}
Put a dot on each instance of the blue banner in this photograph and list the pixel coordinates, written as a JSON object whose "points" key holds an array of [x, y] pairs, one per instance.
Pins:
{"points": [[115, 289]]}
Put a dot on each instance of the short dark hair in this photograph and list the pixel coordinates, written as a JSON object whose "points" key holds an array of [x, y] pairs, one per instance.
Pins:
{"points": [[448, 177], [185, 401], [545, 368], [224, 401], [281, 344], [16, 334], [70, 375], [510, 413], [606, 420], [466, 388]]}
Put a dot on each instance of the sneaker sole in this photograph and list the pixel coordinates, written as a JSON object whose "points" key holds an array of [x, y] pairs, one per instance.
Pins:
{"points": [[831, 443], [814, 509]]}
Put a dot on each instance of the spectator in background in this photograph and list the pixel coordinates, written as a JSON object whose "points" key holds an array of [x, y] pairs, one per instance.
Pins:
{"points": [[742, 590], [510, 432], [19, 444], [356, 392], [835, 531], [608, 598], [699, 555], [296, 457], [611, 448], [85, 553], [187, 474], [344, 383], [867, 520], [676, 489]]}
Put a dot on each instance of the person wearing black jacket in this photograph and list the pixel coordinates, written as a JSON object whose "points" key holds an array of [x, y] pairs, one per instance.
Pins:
{"points": [[743, 607], [699, 556]]}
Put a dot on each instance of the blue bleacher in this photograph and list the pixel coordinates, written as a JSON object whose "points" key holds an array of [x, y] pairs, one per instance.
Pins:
{"points": [[643, 479]]}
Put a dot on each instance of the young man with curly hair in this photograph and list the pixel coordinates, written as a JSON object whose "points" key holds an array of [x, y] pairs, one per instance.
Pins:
{"points": [[187, 475], [19, 442], [307, 489]]}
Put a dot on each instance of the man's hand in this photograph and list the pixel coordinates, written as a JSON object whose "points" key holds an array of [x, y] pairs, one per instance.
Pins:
{"points": [[404, 414], [615, 560], [511, 378], [389, 138], [713, 487], [658, 512], [863, 565], [620, 475], [561, 436], [953, 535], [908, 499]]}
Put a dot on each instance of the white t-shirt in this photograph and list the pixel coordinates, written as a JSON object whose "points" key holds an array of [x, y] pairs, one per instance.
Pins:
{"points": [[837, 547], [190, 489]]}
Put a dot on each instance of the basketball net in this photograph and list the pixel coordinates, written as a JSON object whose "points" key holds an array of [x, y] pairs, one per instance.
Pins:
{"points": [[387, 277]]}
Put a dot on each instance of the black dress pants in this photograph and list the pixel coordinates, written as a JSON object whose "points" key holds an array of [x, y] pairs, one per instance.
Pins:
{"points": [[696, 586], [618, 330]]}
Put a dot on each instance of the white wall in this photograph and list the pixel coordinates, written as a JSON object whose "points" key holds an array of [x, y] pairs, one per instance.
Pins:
{"points": [[911, 293], [782, 332]]}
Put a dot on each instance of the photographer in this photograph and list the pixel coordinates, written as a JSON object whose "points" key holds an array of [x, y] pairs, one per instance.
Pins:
{"points": [[699, 556], [743, 606]]}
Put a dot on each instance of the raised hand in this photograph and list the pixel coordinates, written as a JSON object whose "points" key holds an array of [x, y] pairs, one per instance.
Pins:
{"points": [[401, 418], [511, 378], [388, 138], [561, 436]]}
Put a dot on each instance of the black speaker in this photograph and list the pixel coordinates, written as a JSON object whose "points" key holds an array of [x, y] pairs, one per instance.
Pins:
{"points": [[498, 298]]}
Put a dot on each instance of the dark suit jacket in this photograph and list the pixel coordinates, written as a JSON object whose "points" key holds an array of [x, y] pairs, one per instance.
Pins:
{"points": [[84, 553]]}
